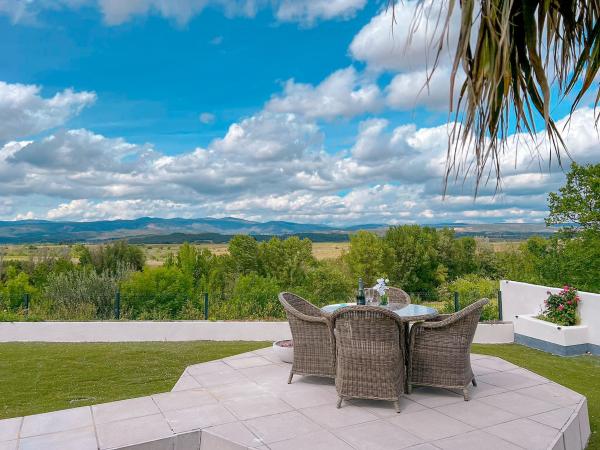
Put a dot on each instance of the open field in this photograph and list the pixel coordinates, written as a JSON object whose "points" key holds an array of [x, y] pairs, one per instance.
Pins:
{"points": [[157, 253]]}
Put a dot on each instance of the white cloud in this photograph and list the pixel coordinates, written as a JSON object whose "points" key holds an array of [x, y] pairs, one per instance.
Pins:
{"points": [[273, 166], [206, 118], [309, 11], [87, 210], [117, 12], [79, 150], [24, 112], [269, 136], [385, 45], [343, 93], [409, 90]]}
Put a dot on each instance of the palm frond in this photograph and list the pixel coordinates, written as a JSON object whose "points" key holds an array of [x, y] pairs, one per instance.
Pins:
{"points": [[511, 52]]}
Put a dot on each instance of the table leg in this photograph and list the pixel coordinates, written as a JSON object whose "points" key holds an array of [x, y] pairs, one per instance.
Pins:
{"points": [[406, 354]]}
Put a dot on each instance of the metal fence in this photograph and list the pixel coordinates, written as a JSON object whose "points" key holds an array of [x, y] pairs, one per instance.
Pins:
{"points": [[450, 302]]}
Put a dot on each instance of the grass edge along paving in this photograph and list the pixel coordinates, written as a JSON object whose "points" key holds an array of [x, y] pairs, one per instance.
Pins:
{"points": [[579, 373], [42, 377]]}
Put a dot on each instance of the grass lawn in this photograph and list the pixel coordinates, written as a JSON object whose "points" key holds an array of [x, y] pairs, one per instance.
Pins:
{"points": [[41, 377], [580, 373]]}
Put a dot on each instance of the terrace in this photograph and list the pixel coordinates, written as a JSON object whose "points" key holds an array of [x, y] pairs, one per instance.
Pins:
{"points": [[244, 401]]}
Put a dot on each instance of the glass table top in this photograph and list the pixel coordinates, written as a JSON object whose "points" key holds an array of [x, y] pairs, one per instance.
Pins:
{"points": [[409, 312]]}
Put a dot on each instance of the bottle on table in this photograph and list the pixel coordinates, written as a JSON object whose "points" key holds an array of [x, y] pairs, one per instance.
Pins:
{"points": [[360, 298]]}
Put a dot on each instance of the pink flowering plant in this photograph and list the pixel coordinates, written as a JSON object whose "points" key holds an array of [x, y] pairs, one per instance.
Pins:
{"points": [[561, 308]]}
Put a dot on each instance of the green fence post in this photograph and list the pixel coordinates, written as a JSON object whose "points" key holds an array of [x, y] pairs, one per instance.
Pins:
{"points": [[500, 305], [206, 306], [456, 303], [26, 303], [117, 305]]}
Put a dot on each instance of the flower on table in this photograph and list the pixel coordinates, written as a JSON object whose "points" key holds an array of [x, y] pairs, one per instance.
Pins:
{"points": [[381, 286]]}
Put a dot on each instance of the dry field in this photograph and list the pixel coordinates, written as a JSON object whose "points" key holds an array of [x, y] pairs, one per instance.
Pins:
{"points": [[155, 253]]}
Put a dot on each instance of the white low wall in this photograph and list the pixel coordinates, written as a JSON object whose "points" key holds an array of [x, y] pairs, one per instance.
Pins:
{"points": [[528, 325], [494, 333], [143, 331], [520, 299], [140, 331]]}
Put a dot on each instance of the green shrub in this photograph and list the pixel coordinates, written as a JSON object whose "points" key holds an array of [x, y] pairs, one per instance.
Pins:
{"points": [[254, 297], [471, 288], [79, 294], [157, 293], [326, 284], [17, 284]]}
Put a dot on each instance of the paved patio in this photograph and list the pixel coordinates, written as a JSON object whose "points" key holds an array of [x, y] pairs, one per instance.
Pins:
{"points": [[245, 402]]}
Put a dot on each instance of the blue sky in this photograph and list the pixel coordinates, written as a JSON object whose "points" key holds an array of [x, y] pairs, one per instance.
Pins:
{"points": [[306, 110]]}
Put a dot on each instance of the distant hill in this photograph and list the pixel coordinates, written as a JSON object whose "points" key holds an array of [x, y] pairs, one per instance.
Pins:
{"points": [[157, 230], [45, 231], [215, 238]]}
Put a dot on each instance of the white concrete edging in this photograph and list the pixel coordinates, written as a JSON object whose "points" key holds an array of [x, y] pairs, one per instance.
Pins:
{"points": [[142, 331], [494, 333], [528, 325], [184, 330]]}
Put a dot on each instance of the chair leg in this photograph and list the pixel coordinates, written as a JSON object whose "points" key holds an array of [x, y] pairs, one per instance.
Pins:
{"points": [[466, 394], [290, 377], [409, 389], [474, 382], [339, 402], [397, 406]]}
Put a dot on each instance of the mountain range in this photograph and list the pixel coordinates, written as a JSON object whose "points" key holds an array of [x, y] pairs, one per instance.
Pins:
{"points": [[158, 230]]}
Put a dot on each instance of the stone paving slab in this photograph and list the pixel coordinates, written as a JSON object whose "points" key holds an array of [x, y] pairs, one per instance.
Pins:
{"points": [[244, 402]]}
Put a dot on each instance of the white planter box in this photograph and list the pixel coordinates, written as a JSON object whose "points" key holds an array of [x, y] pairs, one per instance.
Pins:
{"points": [[550, 337], [494, 333]]}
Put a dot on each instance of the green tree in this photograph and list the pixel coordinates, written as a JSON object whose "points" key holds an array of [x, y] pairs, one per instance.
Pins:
{"points": [[414, 263], [286, 260], [115, 257], [193, 261], [244, 253], [457, 255], [367, 256], [578, 201]]}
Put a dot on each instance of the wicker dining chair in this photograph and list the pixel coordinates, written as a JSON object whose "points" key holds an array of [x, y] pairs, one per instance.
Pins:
{"points": [[370, 355], [314, 344], [396, 296], [440, 348]]}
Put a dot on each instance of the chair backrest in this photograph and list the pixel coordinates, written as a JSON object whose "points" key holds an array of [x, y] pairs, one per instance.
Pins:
{"points": [[359, 327], [298, 306], [395, 295], [464, 322]]}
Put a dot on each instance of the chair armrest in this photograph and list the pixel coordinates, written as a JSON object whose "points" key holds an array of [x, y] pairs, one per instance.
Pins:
{"points": [[307, 318], [440, 321], [439, 318]]}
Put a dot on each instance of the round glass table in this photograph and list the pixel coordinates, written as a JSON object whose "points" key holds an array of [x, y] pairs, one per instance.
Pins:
{"points": [[407, 313]]}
